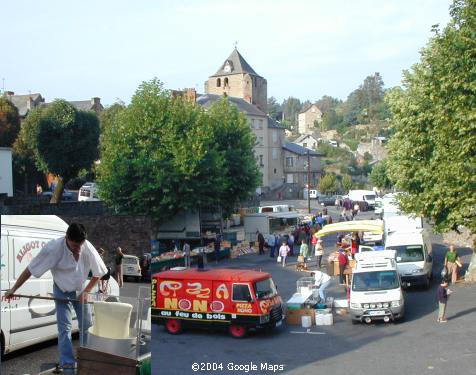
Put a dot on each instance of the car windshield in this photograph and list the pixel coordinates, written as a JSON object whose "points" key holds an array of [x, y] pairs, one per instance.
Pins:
{"points": [[375, 280], [369, 197], [131, 261], [265, 289], [411, 253]]}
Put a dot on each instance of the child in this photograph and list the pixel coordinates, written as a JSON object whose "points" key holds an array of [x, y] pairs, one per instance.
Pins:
{"points": [[443, 293], [283, 252]]}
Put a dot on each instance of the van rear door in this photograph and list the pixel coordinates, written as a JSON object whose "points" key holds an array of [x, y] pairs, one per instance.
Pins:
{"points": [[5, 285], [32, 320]]}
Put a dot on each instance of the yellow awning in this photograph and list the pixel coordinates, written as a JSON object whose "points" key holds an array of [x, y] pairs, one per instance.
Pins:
{"points": [[373, 226]]}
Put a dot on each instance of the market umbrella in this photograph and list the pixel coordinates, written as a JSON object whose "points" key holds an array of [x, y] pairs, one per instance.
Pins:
{"points": [[373, 226]]}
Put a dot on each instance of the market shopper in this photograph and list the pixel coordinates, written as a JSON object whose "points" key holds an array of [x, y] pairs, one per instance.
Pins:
{"points": [[319, 252], [304, 251], [342, 264], [217, 246], [118, 263], [451, 263], [443, 293], [321, 281], [70, 259], [271, 244], [186, 252], [260, 239], [355, 243], [283, 252]]}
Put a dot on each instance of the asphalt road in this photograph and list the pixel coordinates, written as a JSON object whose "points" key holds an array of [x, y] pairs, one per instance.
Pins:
{"points": [[419, 345], [40, 357]]}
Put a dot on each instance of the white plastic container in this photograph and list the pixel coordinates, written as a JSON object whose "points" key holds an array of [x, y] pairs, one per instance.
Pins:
{"points": [[306, 321], [328, 319], [319, 319]]}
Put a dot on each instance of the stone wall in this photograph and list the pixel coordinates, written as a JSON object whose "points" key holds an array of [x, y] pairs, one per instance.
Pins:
{"points": [[132, 233]]}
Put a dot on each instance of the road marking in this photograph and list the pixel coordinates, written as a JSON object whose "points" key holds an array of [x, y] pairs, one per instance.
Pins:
{"points": [[309, 332]]}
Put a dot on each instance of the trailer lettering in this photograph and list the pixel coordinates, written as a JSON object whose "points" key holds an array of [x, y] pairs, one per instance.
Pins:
{"points": [[182, 314], [166, 313], [244, 308], [216, 316], [154, 293], [197, 316], [27, 248], [197, 290], [222, 292], [199, 305], [170, 285], [170, 303]]}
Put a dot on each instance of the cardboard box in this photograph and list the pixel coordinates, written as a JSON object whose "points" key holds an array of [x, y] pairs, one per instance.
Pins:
{"points": [[293, 317]]}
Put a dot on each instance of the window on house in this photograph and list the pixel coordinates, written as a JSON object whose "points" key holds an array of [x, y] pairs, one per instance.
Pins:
{"points": [[289, 178], [252, 123], [305, 178], [218, 82], [275, 154], [304, 145], [275, 171], [275, 136], [261, 161], [289, 161], [225, 81], [261, 141], [261, 124]]}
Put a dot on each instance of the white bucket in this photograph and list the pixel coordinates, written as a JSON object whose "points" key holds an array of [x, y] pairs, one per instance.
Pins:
{"points": [[328, 319], [306, 321], [319, 319]]}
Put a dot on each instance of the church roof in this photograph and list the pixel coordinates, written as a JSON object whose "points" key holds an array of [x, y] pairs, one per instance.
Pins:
{"points": [[206, 100], [238, 65]]}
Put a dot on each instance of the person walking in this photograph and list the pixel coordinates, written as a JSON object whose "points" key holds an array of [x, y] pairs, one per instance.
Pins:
{"points": [[319, 252], [186, 252], [70, 259], [271, 243], [283, 252], [342, 264], [39, 190], [291, 243], [260, 240], [217, 246], [443, 293], [451, 263], [322, 281], [304, 251], [355, 243], [118, 262]]}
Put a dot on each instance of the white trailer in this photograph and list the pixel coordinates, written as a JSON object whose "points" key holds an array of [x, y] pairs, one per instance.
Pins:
{"points": [[6, 177], [268, 223]]}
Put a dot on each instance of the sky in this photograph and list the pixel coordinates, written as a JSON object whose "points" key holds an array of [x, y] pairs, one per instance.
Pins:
{"points": [[77, 50]]}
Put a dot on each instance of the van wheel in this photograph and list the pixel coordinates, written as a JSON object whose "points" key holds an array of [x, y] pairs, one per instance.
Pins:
{"points": [[173, 326], [238, 331]]}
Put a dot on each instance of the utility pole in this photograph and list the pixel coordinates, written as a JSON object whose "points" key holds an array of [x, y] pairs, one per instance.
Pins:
{"points": [[308, 182]]}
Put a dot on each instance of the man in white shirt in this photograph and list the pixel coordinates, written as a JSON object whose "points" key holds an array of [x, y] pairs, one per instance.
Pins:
{"points": [[322, 281], [70, 259]]}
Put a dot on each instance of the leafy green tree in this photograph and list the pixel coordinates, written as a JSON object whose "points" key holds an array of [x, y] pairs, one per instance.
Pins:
{"points": [[328, 103], [273, 107], [432, 157], [379, 176], [62, 139], [347, 182], [330, 120], [9, 123], [291, 108], [162, 155], [328, 183]]}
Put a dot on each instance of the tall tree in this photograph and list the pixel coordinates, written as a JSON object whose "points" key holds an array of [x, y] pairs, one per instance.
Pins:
{"points": [[291, 108], [379, 176], [347, 182], [63, 141], [328, 103], [432, 155], [9, 123], [273, 108], [162, 155], [328, 183]]}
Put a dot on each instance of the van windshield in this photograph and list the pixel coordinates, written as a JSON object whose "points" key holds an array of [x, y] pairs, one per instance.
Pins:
{"points": [[410, 253], [369, 197], [375, 280], [131, 261], [265, 289]]}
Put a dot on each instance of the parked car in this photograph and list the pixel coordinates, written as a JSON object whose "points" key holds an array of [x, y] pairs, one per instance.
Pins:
{"points": [[88, 192], [328, 200], [67, 195], [131, 267]]}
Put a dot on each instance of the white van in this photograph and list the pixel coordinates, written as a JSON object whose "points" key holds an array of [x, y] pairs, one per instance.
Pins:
{"points": [[24, 321], [376, 292], [131, 267], [368, 196], [88, 192], [413, 255]]}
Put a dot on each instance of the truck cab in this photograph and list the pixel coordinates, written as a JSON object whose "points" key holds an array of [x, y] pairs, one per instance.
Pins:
{"points": [[413, 256], [234, 299], [376, 292]]}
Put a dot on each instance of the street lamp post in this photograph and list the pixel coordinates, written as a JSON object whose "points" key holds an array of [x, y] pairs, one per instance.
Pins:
{"points": [[308, 182]]}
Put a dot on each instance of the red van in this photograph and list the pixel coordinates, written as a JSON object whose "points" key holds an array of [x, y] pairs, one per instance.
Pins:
{"points": [[236, 299]]}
